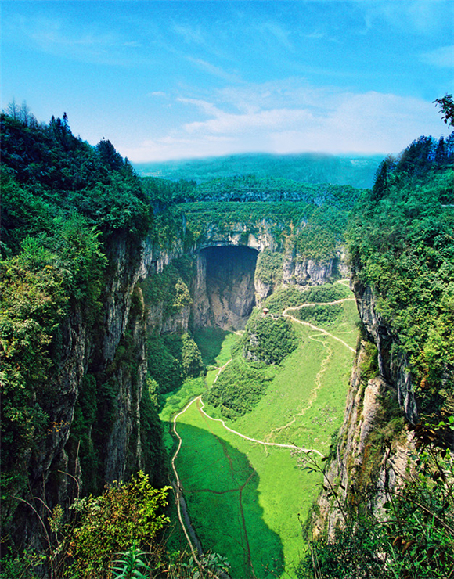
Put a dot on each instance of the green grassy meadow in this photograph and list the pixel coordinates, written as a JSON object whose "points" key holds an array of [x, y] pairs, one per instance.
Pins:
{"points": [[246, 499]]}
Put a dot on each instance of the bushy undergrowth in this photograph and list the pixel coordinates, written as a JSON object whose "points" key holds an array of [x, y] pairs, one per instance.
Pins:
{"points": [[172, 359], [292, 296], [402, 245], [269, 339], [269, 267], [319, 314], [238, 389]]}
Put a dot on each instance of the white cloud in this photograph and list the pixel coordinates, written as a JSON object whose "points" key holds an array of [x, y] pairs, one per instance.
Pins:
{"points": [[417, 16], [277, 32], [189, 33], [326, 120]]}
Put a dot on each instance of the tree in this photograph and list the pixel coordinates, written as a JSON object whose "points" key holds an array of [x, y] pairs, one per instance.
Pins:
{"points": [[446, 105]]}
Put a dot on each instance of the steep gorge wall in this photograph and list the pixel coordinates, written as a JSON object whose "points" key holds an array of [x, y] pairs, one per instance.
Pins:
{"points": [[374, 446], [227, 283], [94, 401]]}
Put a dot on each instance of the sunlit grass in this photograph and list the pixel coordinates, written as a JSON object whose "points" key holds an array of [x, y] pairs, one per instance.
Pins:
{"points": [[254, 522]]}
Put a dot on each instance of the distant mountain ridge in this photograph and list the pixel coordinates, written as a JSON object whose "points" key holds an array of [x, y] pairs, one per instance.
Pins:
{"points": [[358, 171]]}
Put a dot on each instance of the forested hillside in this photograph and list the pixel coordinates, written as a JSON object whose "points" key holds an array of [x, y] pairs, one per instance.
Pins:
{"points": [[310, 168], [389, 477]]}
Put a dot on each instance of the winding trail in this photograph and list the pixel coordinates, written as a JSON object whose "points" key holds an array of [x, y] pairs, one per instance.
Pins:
{"points": [[264, 443], [313, 394], [188, 530], [190, 535], [221, 369], [321, 330]]}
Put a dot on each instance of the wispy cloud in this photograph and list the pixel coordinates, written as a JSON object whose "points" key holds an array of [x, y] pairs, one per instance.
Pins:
{"points": [[59, 37], [213, 70], [190, 34], [442, 57], [277, 33], [417, 16]]}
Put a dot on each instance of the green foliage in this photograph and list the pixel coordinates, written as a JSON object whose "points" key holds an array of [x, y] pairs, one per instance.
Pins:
{"points": [[162, 192], [319, 314], [191, 358], [292, 296], [269, 339], [446, 105], [269, 267], [305, 168], [171, 286], [322, 235], [163, 367], [34, 302], [151, 436], [171, 359], [131, 565], [284, 298], [209, 340], [111, 522], [327, 292], [64, 174], [414, 540], [369, 365], [402, 244], [238, 389]]}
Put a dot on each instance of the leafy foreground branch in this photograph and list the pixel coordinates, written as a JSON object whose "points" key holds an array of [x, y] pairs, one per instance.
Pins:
{"points": [[412, 538], [118, 535]]}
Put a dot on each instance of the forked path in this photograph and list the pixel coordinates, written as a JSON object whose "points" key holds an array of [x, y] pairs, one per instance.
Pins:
{"points": [[321, 330], [264, 443]]}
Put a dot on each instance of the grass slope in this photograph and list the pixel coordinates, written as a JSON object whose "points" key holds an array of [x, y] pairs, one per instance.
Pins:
{"points": [[244, 498]]}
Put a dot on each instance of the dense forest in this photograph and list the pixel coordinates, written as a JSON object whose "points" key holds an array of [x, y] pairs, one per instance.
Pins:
{"points": [[66, 208], [306, 168]]}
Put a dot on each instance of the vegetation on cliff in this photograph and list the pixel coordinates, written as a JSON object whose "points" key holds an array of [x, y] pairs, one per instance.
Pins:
{"points": [[65, 208], [402, 246]]}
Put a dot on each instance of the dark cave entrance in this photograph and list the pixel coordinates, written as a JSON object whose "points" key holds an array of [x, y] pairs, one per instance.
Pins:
{"points": [[229, 284]]}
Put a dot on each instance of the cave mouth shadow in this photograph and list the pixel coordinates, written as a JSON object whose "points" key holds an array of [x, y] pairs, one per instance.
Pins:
{"points": [[220, 487], [209, 340], [230, 271]]}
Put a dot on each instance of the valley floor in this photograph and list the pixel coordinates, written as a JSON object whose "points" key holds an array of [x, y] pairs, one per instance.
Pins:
{"points": [[246, 491]]}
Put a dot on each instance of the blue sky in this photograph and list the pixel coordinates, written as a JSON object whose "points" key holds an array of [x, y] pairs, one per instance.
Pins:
{"points": [[179, 79]]}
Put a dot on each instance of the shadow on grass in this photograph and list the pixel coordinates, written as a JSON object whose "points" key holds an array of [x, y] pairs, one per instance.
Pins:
{"points": [[209, 341], [221, 490]]}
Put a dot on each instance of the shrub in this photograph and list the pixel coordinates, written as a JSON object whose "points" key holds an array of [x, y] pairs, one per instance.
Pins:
{"points": [[269, 339], [111, 522]]}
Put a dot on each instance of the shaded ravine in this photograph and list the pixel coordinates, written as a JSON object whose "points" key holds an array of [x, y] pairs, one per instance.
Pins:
{"points": [[194, 544]]}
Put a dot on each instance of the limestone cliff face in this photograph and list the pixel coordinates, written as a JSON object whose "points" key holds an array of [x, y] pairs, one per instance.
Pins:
{"points": [[392, 366], [373, 447], [307, 272], [111, 352], [361, 461]]}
